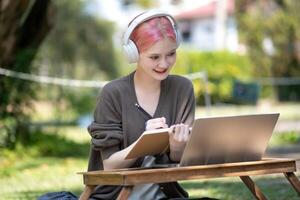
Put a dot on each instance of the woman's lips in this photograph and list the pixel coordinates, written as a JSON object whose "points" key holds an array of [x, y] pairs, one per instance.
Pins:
{"points": [[160, 71]]}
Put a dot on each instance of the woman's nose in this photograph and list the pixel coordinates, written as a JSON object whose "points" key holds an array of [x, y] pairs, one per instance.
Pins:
{"points": [[164, 63]]}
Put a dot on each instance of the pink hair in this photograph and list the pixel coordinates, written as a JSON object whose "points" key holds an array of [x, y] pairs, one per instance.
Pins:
{"points": [[151, 31]]}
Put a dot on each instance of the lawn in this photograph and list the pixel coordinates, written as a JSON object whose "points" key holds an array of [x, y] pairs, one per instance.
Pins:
{"points": [[51, 164]]}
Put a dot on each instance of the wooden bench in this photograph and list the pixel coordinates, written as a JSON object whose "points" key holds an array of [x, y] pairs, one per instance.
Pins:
{"points": [[130, 177]]}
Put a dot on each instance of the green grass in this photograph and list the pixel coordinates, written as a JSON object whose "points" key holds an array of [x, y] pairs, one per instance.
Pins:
{"points": [[273, 187], [32, 177], [49, 162]]}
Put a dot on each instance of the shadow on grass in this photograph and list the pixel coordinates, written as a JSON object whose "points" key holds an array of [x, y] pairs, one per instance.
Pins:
{"points": [[284, 149], [273, 188], [34, 194]]}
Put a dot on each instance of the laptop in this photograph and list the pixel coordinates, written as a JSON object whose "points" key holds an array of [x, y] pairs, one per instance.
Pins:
{"points": [[228, 139]]}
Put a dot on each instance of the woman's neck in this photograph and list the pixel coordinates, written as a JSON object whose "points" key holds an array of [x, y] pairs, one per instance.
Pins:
{"points": [[146, 82]]}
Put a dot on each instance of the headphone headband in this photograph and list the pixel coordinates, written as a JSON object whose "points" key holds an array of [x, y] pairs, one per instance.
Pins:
{"points": [[130, 49], [144, 17]]}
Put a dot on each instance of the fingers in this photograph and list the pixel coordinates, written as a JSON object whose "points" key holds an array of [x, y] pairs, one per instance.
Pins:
{"points": [[179, 132], [172, 130], [186, 133], [156, 123], [179, 135]]}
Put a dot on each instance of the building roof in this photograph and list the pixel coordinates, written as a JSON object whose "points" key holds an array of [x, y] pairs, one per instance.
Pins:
{"points": [[205, 11]]}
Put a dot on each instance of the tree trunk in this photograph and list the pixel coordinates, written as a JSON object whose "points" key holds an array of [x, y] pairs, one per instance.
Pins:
{"points": [[23, 26]]}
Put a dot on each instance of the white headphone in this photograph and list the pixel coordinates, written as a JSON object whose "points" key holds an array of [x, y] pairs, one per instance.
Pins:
{"points": [[129, 47]]}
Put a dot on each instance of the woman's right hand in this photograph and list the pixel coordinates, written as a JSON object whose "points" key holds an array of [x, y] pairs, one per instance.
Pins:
{"points": [[117, 160], [156, 123]]}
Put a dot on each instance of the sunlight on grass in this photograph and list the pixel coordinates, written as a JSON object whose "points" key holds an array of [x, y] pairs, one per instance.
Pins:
{"points": [[76, 134], [49, 164], [37, 176], [73, 133]]}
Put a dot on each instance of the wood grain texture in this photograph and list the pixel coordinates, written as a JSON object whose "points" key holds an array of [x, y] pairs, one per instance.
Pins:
{"points": [[130, 177], [257, 193], [137, 176], [292, 178]]}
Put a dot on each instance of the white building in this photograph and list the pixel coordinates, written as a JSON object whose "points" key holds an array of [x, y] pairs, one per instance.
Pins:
{"points": [[210, 27]]}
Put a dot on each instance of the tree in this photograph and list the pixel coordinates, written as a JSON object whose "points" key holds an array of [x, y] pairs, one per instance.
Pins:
{"points": [[78, 40], [79, 46], [276, 21], [23, 26]]}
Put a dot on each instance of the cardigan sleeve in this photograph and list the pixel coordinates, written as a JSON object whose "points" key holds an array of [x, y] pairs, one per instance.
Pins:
{"points": [[106, 129]]}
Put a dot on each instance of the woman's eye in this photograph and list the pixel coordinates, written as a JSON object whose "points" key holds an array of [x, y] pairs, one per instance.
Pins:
{"points": [[172, 53], [154, 57]]}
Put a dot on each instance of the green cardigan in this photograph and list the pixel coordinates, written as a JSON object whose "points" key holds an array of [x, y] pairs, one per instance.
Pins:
{"points": [[118, 122]]}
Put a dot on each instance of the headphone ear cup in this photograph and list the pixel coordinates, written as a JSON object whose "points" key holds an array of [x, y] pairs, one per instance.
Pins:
{"points": [[131, 52]]}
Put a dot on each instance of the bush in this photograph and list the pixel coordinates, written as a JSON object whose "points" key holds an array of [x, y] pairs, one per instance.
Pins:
{"points": [[221, 67], [286, 138], [48, 144]]}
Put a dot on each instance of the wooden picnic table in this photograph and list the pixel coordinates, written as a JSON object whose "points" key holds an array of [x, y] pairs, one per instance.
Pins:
{"points": [[130, 177]]}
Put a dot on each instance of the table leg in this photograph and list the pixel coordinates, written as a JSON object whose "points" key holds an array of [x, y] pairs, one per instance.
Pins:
{"points": [[292, 178], [88, 190], [125, 192], [253, 188]]}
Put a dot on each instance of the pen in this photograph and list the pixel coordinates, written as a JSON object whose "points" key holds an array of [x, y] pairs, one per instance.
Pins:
{"points": [[143, 111]]}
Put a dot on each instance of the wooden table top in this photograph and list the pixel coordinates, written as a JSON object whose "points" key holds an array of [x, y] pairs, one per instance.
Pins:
{"points": [[134, 176]]}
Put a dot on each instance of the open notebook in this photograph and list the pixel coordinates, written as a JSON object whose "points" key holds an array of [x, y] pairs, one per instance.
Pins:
{"points": [[150, 143]]}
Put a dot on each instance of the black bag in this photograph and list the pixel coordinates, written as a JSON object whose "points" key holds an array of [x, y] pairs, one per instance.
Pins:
{"points": [[58, 196]]}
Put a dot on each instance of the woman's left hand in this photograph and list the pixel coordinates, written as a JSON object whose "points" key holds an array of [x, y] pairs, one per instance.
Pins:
{"points": [[179, 135]]}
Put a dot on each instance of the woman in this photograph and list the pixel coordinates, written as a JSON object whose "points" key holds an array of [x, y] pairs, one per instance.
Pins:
{"points": [[148, 98]]}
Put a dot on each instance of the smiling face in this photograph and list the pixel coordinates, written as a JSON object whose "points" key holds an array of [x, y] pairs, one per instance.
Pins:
{"points": [[157, 61]]}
